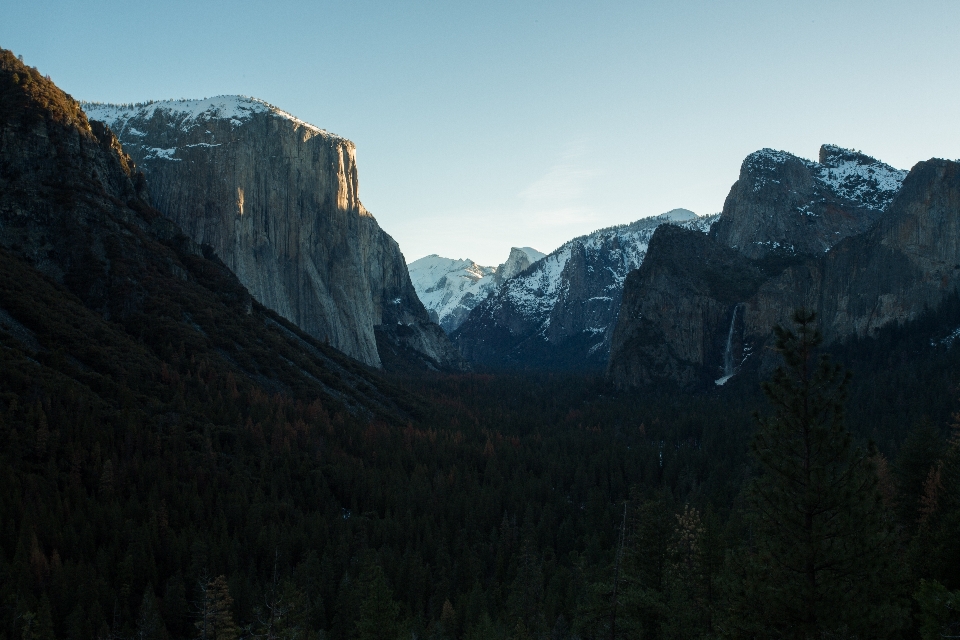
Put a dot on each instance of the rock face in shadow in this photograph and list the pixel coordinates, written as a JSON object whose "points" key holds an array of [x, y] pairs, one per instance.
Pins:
{"points": [[676, 308], [695, 302], [782, 203], [277, 199]]}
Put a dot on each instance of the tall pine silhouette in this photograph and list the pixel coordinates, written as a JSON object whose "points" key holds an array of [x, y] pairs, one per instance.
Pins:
{"points": [[821, 563]]}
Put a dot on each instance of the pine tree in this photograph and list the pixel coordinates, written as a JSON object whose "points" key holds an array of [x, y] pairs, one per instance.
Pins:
{"points": [[39, 626], [525, 600], [149, 623], [822, 562], [646, 563], [216, 616], [379, 613]]}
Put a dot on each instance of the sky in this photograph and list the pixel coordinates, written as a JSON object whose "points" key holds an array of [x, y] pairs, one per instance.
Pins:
{"points": [[485, 125]]}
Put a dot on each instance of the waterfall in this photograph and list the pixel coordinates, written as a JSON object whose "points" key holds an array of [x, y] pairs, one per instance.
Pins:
{"points": [[729, 367]]}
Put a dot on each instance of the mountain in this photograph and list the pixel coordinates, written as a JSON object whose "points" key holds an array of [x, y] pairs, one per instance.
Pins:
{"points": [[450, 289], [111, 302], [782, 203], [278, 201], [559, 313], [697, 322]]}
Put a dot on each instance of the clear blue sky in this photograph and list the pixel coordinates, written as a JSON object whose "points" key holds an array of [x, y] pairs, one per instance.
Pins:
{"points": [[484, 125]]}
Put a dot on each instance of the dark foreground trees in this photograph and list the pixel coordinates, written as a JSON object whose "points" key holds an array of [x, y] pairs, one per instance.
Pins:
{"points": [[821, 559]]}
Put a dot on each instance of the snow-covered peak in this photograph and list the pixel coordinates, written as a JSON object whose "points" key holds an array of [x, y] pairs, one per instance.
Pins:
{"points": [[188, 113], [429, 270], [767, 158]]}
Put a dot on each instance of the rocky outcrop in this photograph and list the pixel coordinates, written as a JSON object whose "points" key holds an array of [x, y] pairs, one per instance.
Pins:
{"points": [[687, 323], [517, 262], [785, 204], [278, 201], [450, 289], [560, 312]]}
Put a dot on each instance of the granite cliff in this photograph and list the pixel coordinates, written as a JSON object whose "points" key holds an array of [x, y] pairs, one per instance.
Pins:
{"points": [[697, 309], [559, 312], [278, 201]]}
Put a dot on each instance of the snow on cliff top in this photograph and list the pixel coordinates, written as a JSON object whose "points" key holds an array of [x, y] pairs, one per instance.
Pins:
{"points": [[678, 215], [237, 109], [848, 173], [532, 253]]}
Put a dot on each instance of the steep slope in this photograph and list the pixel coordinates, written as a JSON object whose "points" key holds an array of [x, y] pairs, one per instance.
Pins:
{"points": [[450, 289], [99, 287], [559, 313], [278, 201], [692, 330], [782, 203]]}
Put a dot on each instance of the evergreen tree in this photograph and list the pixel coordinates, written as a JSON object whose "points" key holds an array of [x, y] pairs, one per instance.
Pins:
{"points": [[39, 626], [149, 624], [379, 613], [822, 562], [216, 616], [646, 564], [688, 578], [939, 614], [526, 591]]}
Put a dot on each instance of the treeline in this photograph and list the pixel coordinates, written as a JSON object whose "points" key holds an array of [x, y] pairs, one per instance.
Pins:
{"points": [[512, 507]]}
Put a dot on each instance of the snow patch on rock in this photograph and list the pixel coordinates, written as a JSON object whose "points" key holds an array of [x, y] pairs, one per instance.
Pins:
{"points": [[191, 113], [847, 173]]}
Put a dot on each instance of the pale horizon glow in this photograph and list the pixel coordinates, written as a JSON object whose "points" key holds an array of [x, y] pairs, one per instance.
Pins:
{"points": [[484, 126]]}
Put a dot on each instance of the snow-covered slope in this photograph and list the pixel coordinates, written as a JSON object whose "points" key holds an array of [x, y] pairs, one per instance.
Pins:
{"points": [[560, 312], [450, 289], [188, 114]]}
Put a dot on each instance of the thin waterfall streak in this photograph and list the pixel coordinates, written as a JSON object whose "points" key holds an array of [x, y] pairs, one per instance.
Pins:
{"points": [[728, 366]]}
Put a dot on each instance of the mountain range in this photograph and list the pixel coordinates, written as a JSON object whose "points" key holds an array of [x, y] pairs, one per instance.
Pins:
{"points": [[559, 312], [276, 199], [450, 289], [863, 245]]}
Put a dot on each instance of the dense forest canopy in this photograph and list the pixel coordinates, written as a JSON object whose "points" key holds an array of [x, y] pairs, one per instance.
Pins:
{"points": [[511, 506]]}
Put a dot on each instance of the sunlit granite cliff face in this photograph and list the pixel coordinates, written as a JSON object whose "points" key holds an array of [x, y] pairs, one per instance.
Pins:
{"points": [[277, 199], [698, 309]]}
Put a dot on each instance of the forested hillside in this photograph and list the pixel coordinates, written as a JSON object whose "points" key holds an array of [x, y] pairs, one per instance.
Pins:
{"points": [[497, 513]]}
